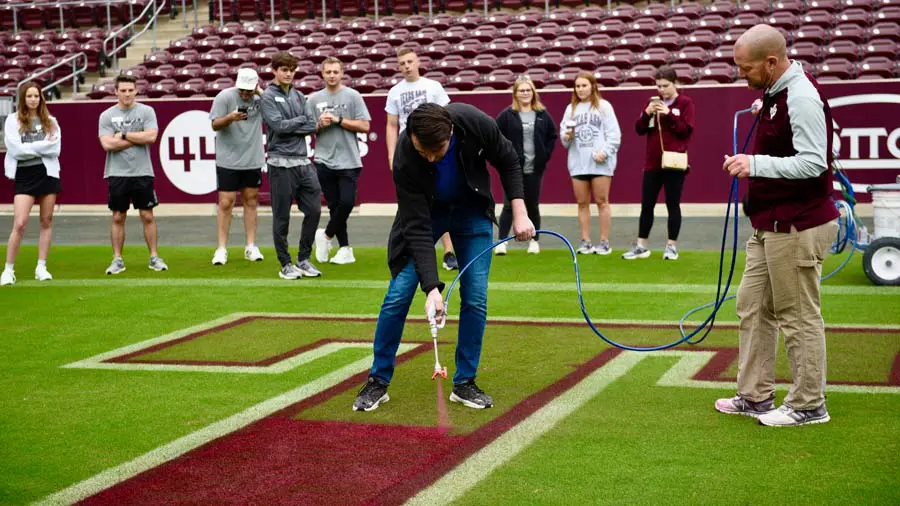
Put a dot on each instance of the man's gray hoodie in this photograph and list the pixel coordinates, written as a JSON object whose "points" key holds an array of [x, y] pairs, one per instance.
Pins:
{"points": [[287, 122]]}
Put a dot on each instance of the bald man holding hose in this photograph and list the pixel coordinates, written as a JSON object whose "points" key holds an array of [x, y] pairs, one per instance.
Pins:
{"points": [[794, 222]]}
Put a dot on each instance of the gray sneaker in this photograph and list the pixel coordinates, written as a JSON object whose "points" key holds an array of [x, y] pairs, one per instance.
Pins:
{"points": [[371, 395], [602, 248], [671, 252], [290, 271], [786, 416], [471, 396], [585, 247], [737, 405], [636, 251], [116, 267], [157, 264], [308, 269]]}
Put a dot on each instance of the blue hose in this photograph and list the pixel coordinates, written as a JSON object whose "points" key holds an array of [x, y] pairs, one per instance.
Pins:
{"points": [[720, 293]]}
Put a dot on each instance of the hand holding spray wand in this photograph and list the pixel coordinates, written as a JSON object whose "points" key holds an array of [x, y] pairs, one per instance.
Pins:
{"points": [[434, 326]]}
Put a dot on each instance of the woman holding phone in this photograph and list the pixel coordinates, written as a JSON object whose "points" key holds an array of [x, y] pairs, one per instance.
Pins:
{"points": [[591, 134], [668, 122]]}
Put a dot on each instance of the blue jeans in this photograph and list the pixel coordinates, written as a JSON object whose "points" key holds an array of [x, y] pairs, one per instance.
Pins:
{"points": [[471, 232]]}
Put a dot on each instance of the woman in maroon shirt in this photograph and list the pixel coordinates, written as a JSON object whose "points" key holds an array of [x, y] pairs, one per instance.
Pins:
{"points": [[672, 114]]}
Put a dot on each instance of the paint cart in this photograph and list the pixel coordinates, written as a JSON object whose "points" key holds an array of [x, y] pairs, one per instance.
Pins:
{"points": [[881, 260]]}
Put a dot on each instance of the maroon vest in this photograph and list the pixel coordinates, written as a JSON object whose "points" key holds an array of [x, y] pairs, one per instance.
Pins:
{"points": [[777, 205]]}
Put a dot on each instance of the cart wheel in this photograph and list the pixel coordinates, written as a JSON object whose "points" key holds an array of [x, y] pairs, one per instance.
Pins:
{"points": [[881, 261]]}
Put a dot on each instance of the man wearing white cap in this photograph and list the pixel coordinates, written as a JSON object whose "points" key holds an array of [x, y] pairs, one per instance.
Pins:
{"points": [[237, 120]]}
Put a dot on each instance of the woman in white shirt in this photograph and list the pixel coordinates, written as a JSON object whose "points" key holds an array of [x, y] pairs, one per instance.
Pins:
{"points": [[33, 144], [591, 134]]}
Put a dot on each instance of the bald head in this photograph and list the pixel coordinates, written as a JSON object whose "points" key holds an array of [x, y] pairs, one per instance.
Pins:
{"points": [[761, 42]]}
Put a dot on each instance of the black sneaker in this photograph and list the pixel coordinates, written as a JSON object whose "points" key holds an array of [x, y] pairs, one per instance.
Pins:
{"points": [[737, 405], [371, 395], [450, 261], [471, 396], [786, 416]]}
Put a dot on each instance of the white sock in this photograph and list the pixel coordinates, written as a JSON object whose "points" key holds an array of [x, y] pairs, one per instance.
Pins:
{"points": [[42, 263], [9, 267]]}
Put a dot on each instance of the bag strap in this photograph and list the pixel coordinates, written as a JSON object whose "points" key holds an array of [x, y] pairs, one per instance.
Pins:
{"points": [[659, 129]]}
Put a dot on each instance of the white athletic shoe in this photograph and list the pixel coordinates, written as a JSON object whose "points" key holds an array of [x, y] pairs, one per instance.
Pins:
{"points": [[252, 253], [500, 250], [323, 246], [343, 256], [41, 273], [8, 277], [534, 247], [220, 257]]}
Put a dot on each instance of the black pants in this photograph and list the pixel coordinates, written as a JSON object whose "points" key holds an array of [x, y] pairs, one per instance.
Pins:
{"points": [[339, 187], [301, 184], [532, 186], [655, 180]]}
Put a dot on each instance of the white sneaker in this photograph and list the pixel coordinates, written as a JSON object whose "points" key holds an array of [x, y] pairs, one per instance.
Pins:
{"points": [[671, 253], [500, 249], [8, 277], [290, 271], [252, 253], [343, 256], [323, 246], [41, 273], [534, 247], [220, 257]]}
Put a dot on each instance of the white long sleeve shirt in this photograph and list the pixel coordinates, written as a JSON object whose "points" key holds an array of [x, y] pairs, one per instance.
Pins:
{"points": [[16, 150], [596, 131]]}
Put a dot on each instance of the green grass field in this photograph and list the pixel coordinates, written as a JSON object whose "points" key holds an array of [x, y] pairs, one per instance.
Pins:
{"points": [[636, 441]]}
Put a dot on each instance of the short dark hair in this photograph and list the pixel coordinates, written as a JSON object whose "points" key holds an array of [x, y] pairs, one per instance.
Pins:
{"points": [[284, 59], [666, 72], [431, 124], [125, 78]]}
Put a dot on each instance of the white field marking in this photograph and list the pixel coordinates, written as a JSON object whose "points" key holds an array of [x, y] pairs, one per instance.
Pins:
{"points": [[682, 373], [500, 286], [170, 451], [276, 368], [482, 463]]}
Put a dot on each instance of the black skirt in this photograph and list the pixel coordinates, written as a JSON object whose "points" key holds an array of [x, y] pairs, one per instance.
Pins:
{"points": [[33, 180]]}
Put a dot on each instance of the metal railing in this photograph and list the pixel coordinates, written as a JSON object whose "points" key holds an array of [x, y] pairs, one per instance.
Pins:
{"points": [[114, 36], [76, 72]]}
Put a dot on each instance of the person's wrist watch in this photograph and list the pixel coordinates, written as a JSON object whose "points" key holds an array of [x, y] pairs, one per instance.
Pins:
{"points": [[123, 136], [340, 120]]}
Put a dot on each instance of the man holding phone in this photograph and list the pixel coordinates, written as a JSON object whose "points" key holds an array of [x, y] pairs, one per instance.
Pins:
{"points": [[237, 120]]}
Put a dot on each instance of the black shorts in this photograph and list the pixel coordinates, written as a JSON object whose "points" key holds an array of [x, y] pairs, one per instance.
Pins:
{"points": [[136, 190], [230, 180], [33, 180], [586, 177]]}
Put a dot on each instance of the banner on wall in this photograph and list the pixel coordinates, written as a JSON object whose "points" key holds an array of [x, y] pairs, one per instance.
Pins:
{"points": [[866, 117]]}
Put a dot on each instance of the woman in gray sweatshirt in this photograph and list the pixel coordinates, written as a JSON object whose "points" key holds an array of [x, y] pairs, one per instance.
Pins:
{"points": [[590, 132]]}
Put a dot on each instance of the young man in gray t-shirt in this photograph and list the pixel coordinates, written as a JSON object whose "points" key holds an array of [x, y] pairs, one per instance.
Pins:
{"points": [[341, 114], [127, 130], [237, 120]]}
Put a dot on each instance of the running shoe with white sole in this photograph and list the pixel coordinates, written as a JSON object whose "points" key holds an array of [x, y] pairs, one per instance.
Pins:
{"points": [[253, 254], [671, 252], [469, 395], [602, 248], [636, 251], [500, 250], [308, 269], [371, 395], [8, 277], [323, 246], [41, 273], [157, 264], [738, 405], [534, 247], [585, 248], [290, 271], [343, 256], [786, 416], [116, 267], [220, 257]]}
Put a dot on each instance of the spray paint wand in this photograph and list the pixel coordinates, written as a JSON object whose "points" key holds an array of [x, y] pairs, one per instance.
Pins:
{"points": [[435, 326]]}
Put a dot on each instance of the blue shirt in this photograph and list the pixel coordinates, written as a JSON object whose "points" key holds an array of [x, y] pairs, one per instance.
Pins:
{"points": [[450, 183]]}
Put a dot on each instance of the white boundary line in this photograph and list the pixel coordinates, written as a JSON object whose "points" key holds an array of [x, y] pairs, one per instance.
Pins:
{"points": [[482, 463], [500, 286], [170, 451]]}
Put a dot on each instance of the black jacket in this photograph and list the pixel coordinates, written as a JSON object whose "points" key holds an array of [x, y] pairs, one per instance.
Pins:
{"points": [[477, 140], [545, 135]]}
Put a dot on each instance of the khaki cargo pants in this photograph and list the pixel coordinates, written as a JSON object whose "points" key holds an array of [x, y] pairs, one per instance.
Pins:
{"points": [[780, 290]]}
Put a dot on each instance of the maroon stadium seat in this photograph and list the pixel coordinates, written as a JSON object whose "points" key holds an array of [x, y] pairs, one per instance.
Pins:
{"points": [[641, 75], [239, 56], [190, 88], [222, 83], [499, 19], [783, 19], [437, 75], [540, 77], [792, 6], [657, 56], [569, 44], [437, 49], [621, 58], [733, 34], [880, 47], [854, 15], [836, 67], [501, 47], [810, 33], [565, 76], [725, 8], [657, 11], [370, 37], [386, 67], [600, 42], [309, 84], [387, 24], [695, 56], [806, 51], [465, 80], [886, 30], [702, 38], [746, 19], [876, 66], [608, 76], [551, 61], [467, 48], [157, 58], [842, 49], [188, 72], [867, 5], [758, 7], [500, 79], [235, 42], [678, 24], [685, 73], [718, 71], [666, 40], [534, 45], [580, 29], [723, 53], [255, 29], [349, 52], [359, 67], [592, 14], [890, 13], [819, 17], [162, 88], [826, 5], [160, 73], [848, 31], [451, 64], [185, 58], [561, 15], [690, 10], [212, 56], [624, 12], [181, 44], [713, 22], [368, 83], [585, 60], [613, 27], [209, 43], [261, 42], [380, 51], [632, 41], [483, 63], [644, 25], [547, 30], [455, 34], [397, 36]]}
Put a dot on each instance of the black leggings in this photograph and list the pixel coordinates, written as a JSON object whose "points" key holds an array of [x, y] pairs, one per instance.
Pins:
{"points": [[532, 185], [654, 180], [339, 187]]}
